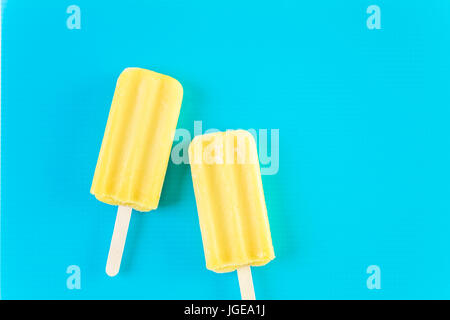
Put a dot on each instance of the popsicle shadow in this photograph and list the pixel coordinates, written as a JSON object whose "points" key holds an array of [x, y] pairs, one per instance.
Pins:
{"points": [[175, 182], [172, 190], [132, 243], [281, 230]]}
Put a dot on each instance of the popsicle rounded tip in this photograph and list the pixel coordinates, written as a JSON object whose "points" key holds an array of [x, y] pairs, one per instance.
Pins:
{"points": [[177, 85], [111, 270]]}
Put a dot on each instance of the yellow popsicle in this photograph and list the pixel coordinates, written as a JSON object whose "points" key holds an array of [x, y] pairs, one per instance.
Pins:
{"points": [[230, 201], [138, 138]]}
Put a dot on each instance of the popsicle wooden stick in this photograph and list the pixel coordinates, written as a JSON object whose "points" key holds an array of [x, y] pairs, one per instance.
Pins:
{"points": [[118, 241], [246, 283]]}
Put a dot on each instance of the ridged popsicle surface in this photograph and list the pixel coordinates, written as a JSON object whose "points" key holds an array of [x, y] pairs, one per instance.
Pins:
{"points": [[230, 201], [138, 138]]}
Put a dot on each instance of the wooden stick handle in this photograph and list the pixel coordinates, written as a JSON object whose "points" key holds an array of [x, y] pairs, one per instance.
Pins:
{"points": [[246, 283], [118, 241]]}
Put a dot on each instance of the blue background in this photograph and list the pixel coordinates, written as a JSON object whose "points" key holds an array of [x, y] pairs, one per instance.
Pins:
{"points": [[363, 115]]}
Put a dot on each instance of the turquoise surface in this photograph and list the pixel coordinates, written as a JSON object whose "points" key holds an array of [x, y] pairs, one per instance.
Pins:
{"points": [[364, 144]]}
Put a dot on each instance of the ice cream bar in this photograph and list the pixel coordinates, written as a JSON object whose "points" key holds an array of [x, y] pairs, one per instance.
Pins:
{"points": [[230, 202], [136, 147]]}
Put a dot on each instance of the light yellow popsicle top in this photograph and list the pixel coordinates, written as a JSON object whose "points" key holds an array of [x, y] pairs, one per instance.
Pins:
{"points": [[230, 200], [138, 138]]}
